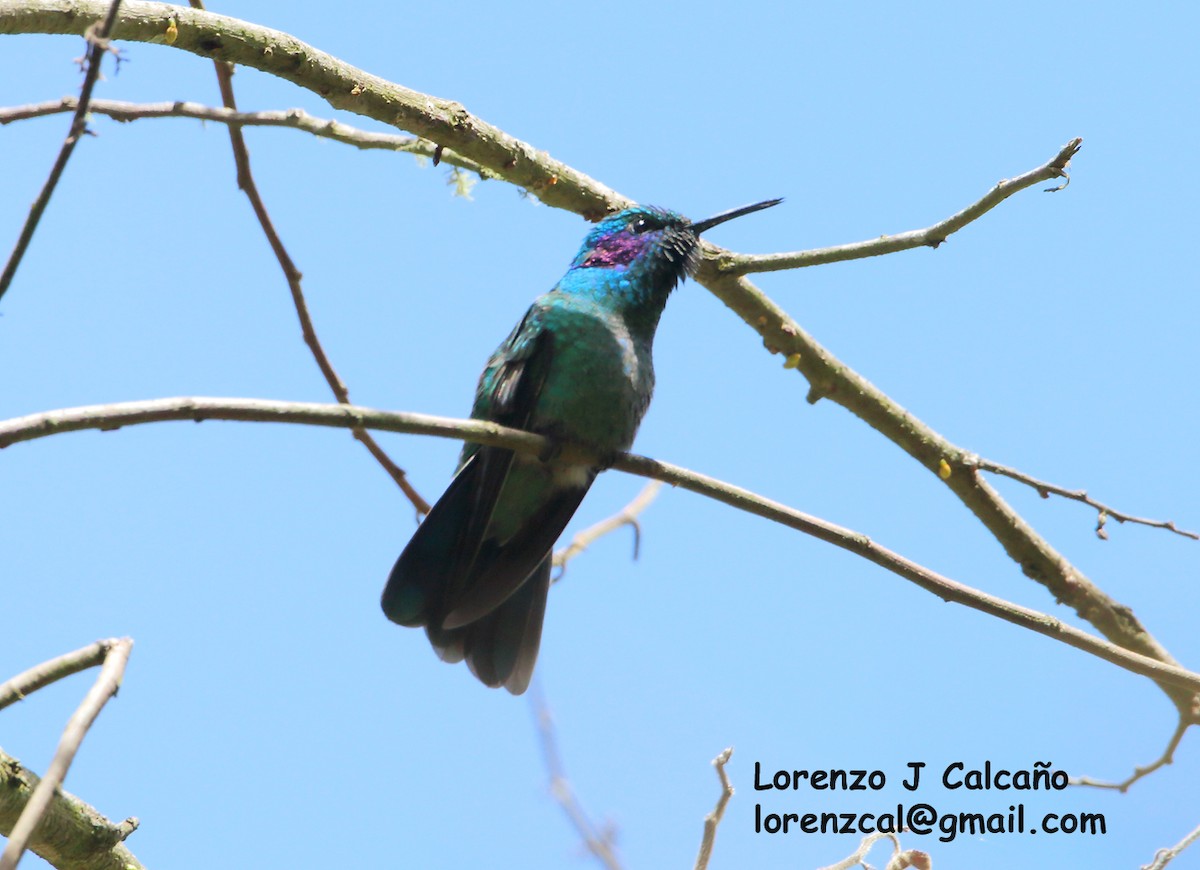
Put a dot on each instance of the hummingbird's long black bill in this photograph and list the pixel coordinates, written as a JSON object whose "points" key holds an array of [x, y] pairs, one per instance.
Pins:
{"points": [[708, 223]]}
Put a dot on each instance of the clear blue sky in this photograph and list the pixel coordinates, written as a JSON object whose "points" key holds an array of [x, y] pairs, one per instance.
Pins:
{"points": [[271, 717]]}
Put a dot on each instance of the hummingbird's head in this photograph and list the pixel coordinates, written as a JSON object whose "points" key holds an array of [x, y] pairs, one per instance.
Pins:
{"points": [[649, 244], [643, 240]]}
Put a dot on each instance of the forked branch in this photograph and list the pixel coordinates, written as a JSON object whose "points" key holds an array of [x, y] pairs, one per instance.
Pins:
{"points": [[107, 683]]}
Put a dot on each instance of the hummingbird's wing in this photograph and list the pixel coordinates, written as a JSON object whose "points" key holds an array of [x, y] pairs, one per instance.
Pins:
{"points": [[455, 564], [416, 590], [436, 565], [509, 393]]}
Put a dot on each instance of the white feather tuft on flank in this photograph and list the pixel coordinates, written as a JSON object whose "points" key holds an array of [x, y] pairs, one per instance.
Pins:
{"points": [[565, 475], [572, 475]]}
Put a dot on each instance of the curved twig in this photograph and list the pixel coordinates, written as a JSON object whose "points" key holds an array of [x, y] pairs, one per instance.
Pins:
{"points": [[1167, 757], [22, 685], [626, 516]]}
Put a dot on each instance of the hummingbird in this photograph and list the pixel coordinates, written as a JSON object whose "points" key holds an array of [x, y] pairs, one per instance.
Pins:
{"points": [[577, 369]]}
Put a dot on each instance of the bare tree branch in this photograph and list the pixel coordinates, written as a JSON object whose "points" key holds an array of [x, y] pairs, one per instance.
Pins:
{"points": [[96, 34], [627, 516], [713, 820], [105, 417], [1166, 758], [295, 119], [1045, 490], [245, 181], [105, 687], [72, 835], [599, 843]]}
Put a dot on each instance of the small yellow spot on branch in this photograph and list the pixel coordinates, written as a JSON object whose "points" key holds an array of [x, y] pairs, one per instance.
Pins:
{"points": [[944, 469], [172, 31], [792, 362]]}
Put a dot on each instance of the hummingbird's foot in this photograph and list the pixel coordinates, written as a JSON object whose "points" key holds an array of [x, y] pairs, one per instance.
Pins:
{"points": [[605, 461], [551, 451]]}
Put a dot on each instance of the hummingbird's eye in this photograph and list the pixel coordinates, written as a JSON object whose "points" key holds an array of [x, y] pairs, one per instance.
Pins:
{"points": [[642, 225]]}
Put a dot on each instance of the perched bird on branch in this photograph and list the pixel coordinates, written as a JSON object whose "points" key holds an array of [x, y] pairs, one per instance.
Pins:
{"points": [[576, 369]]}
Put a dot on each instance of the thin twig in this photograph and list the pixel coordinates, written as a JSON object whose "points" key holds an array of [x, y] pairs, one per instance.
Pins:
{"points": [[105, 687], [1055, 167], [600, 843], [713, 820], [105, 417], [97, 46], [245, 181], [1163, 857], [1045, 490], [1166, 758], [22, 685], [295, 119], [627, 516]]}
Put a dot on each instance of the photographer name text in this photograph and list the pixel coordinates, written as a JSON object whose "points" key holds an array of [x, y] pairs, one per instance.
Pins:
{"points": [[923, 818]]}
